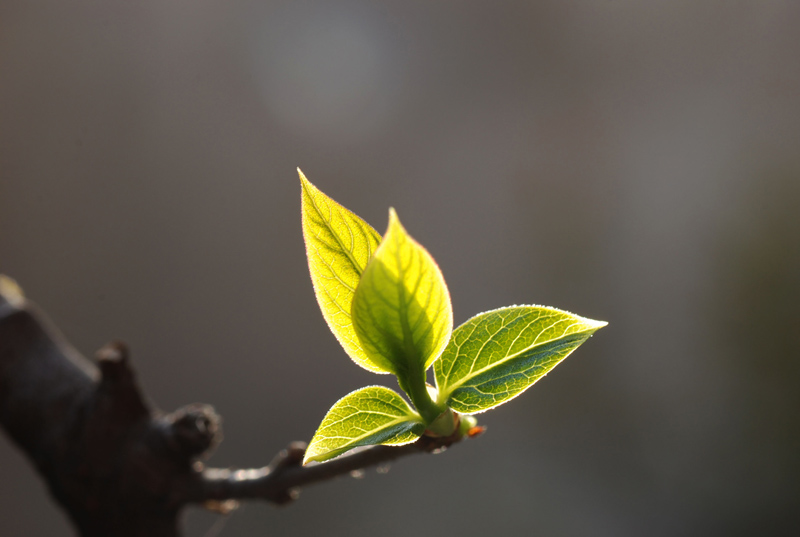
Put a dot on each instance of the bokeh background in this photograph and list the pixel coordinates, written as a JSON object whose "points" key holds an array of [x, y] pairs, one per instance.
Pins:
{"points": [[637, 162]]}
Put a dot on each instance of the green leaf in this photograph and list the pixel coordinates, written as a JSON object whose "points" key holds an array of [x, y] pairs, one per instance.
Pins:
{"points": [[371, 415], [497, 355], [338, 245], [401, 309]]}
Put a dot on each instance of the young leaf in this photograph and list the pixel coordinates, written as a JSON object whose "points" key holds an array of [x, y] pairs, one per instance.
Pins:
{"points": [[371, 415], [339, 245], [401, 309], [497, 355]]}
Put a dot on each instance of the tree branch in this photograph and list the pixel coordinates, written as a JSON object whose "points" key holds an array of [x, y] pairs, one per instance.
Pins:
{"points": [[280, 481], [117, 465]]}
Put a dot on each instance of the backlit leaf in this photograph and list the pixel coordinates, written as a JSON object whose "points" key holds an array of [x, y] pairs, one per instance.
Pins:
{"points": [[401, 309], [339, 245], [497, 355], [371, 415]]}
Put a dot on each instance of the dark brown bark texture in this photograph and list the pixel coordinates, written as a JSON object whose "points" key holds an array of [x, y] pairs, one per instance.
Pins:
{"points": [[116, 464]]}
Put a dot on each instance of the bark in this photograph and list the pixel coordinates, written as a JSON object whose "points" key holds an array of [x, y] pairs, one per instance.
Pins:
{"points": [[116, 464]]}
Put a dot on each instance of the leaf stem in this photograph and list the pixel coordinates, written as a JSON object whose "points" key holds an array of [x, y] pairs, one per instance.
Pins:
{"points": [[417, 390]]}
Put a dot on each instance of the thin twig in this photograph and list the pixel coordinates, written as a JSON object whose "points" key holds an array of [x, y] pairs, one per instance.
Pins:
{"points": [[280, 481]]}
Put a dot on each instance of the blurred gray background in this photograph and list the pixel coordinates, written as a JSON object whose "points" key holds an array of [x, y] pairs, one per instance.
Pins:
{"points": [[637, 162]]}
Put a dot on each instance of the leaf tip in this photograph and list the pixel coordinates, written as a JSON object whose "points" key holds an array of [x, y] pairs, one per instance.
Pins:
{"points": [[313, 454], [393, 218], [303, 179], [596, 325], [395, 224]]}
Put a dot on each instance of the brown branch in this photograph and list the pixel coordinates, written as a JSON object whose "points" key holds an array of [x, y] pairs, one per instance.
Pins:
{"points": [[281, 480], [117, 465]]}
